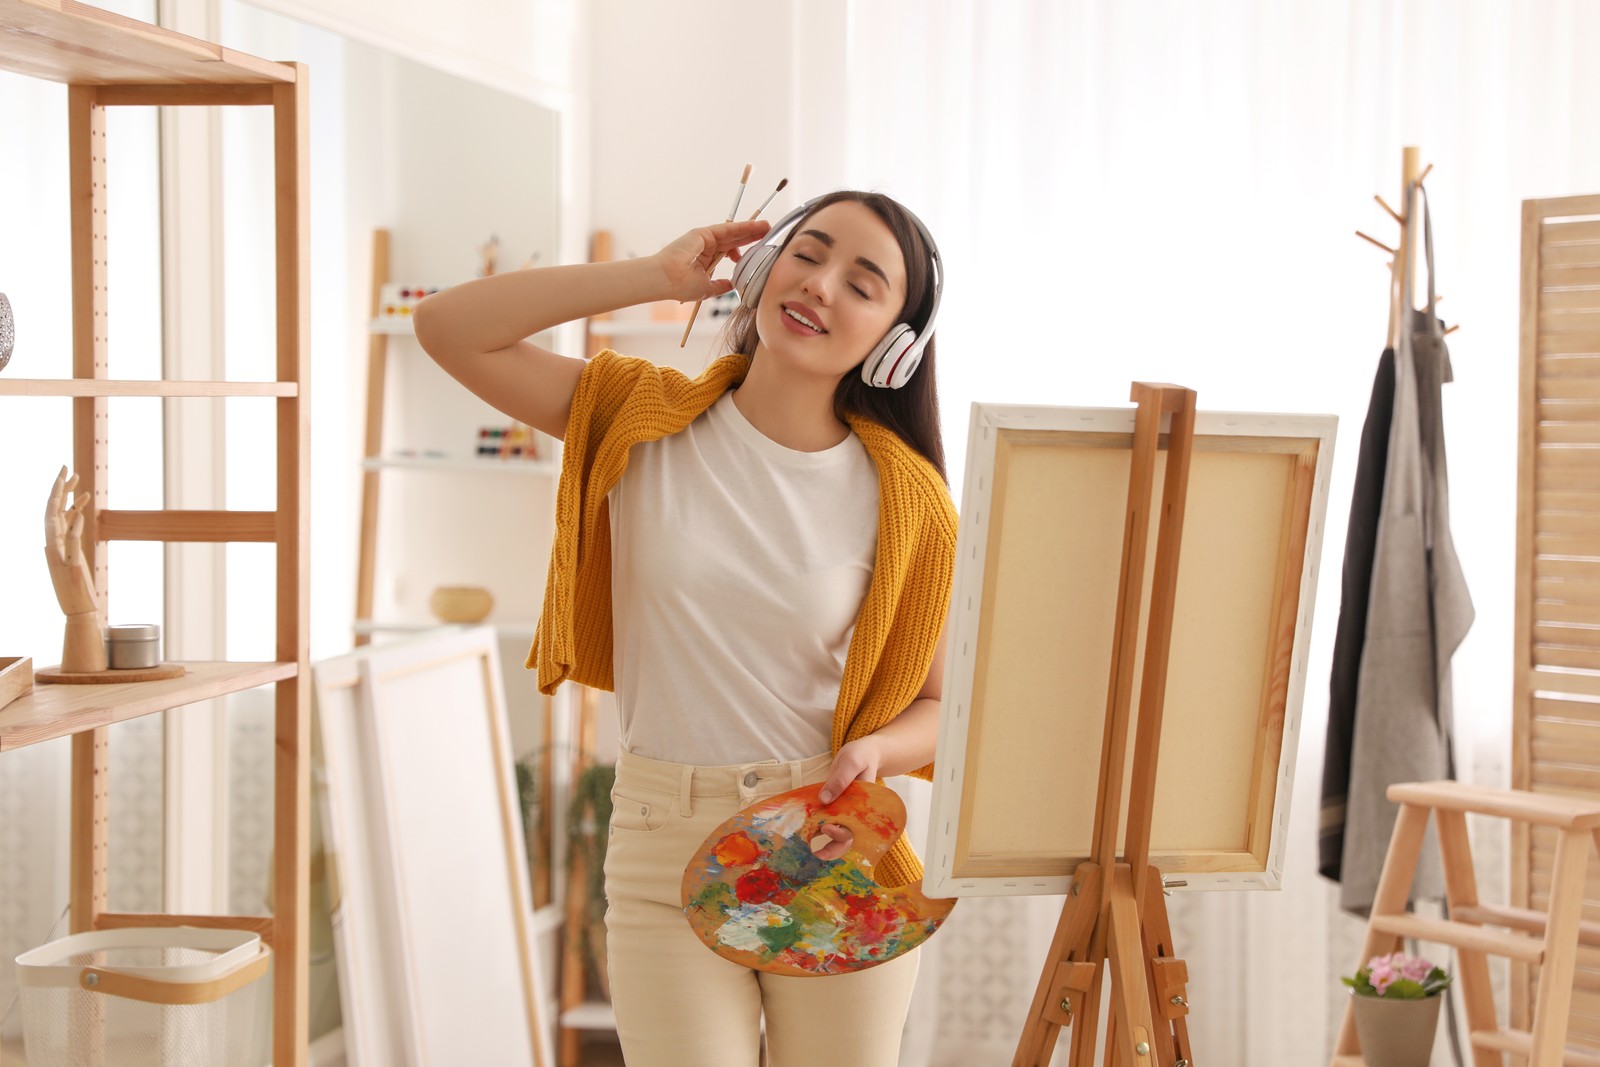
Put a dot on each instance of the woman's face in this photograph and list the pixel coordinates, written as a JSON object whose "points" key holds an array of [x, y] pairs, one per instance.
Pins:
{"points": [[834, 291]]}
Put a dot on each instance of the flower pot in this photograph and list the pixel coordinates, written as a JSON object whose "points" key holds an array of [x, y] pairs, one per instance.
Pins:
{"points": [[1396, 1033]]}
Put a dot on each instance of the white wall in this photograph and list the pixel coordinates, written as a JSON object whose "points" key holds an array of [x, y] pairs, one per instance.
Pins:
{"points": [[521, 46], [683, 95]]}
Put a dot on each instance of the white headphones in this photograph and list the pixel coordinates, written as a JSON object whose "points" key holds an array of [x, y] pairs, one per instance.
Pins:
{"points": [[893, 360]]}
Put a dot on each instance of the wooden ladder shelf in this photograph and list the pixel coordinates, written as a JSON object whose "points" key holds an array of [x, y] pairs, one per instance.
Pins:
{"points": [[1548, 939]]}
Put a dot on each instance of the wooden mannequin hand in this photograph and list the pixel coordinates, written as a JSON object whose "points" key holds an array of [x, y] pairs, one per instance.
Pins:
{"points": [[686, 263], [63, 548], [857, 761]]}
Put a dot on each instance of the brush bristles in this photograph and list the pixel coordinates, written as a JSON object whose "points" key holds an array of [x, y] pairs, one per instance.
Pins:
{"points": [[757, 213]]}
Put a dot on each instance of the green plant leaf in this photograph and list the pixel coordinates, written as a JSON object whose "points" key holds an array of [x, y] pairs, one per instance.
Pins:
{"points": [[1405, 989], [1361, 983]]}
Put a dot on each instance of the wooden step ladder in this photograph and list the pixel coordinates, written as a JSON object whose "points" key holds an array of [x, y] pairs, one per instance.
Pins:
{"points": [[1547, 940]]}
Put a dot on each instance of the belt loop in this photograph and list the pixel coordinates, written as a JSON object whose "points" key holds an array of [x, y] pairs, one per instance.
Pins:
{"points": [[686, 792], [796, 779]]}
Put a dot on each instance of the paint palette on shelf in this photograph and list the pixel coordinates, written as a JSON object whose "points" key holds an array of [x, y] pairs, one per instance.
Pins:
{"points": [[396, 301], [507, 442]]}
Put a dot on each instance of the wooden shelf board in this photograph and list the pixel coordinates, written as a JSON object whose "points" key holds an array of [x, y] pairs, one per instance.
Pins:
{"points": [[1515, 946], [52, 711], [70, 387], [590, 1015], [76, 43], [704, 325], [1520, 1044], [404, 326], [543, 467], [510, 629]]}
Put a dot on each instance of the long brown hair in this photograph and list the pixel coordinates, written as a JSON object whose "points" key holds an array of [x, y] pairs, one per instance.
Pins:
{"points": [[912, 411]]}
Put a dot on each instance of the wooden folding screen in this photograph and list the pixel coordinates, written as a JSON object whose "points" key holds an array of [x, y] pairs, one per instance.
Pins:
{"points": [[1556, 679]]}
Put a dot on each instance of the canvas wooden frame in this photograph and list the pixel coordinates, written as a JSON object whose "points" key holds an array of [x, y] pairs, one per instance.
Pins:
{"points": [[1031, 630], [433, 911]]}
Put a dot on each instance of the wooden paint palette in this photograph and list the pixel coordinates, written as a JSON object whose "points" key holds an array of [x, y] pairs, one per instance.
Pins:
{"points": [[757, 894]]}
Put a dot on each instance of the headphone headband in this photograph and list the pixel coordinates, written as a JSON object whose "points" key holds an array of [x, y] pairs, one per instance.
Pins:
{"points": [[894, 359]]}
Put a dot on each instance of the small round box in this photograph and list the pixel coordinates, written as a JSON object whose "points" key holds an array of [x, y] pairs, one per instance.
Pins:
{"points": [[133, 645]]}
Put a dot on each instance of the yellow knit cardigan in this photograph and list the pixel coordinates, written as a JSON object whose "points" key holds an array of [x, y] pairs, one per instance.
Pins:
{"points": [[621, 402]]}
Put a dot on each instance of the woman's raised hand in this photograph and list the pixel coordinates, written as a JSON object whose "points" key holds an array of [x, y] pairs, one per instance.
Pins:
{"points": [[687, 262]]}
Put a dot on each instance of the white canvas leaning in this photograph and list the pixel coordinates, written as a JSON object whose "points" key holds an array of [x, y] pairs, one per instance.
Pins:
{"points": [[433, 921], [1029, 647]]}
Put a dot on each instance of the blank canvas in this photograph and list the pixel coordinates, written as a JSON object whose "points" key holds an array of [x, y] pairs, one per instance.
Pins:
{"points": [[422, 794], [1030, 643]]}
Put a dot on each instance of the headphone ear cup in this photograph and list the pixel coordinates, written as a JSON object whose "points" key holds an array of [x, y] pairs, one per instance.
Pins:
{"points": [[905, 367], [885, 367], [750, 276]]}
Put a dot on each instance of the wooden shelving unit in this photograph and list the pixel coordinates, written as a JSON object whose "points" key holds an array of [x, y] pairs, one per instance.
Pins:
{"points": [[108, 60], [376, 462]]}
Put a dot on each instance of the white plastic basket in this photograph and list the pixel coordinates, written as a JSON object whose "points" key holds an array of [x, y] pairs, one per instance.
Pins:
{"points": [[146, 997]]}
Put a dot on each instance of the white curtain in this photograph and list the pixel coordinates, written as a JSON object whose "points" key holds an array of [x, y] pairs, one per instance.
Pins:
{"points": [[1167, 191]]}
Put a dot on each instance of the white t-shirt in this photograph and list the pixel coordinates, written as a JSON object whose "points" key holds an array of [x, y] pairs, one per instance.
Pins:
{"points": [[738, 569]]}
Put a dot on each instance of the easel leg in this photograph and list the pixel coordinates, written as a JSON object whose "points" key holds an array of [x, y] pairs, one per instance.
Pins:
{"points": [[1168, 975], [1070, 977], [1081, 1052], [1130, 994]]}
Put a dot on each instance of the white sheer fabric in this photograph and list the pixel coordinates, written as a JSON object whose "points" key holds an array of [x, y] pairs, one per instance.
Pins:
{"points": [[1166, 191]]}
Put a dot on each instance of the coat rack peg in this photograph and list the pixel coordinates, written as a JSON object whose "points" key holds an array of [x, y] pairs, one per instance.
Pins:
{"points": [[1424, 175], [1377, 242], [1393, 214], [1452, 329]]}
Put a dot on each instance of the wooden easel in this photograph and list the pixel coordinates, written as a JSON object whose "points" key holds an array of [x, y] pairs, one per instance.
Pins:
{"points": [[1115, 909]]}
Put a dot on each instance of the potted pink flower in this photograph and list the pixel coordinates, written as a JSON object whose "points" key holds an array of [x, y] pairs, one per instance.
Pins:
{"points": [[1396, 1001]]}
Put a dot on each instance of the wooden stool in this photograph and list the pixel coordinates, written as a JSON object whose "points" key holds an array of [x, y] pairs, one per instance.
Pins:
{"points": [[1548, 940]]}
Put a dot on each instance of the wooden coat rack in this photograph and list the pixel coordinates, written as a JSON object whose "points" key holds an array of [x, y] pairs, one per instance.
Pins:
{"points": [[1115, 910], [1402, 257]]}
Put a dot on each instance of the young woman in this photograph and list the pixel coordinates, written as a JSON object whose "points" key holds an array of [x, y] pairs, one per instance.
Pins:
{"points": [[758, 561]]}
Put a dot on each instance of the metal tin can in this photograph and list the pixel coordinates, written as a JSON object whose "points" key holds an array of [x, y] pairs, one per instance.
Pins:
{"points": [[133, 645]]}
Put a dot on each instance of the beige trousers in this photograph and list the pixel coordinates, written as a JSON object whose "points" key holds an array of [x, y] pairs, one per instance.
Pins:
{"points": [[678, 1003]]}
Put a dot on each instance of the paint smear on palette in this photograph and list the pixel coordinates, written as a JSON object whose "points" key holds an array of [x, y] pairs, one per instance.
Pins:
{"points": [[757, 894]]}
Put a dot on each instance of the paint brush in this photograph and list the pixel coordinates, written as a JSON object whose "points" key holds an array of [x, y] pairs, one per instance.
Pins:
{"points": [[756, 214], [684, 340], [763, 207]]}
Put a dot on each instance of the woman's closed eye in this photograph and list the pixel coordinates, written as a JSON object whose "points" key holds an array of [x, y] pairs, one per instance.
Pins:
{"points": [[806, 257]]}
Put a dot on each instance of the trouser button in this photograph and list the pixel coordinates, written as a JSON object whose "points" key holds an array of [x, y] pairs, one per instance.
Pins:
{"points": [[751, 779]]}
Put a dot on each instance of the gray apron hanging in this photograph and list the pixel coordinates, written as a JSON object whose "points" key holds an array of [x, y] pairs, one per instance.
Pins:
{"points": [[1417, 614]]}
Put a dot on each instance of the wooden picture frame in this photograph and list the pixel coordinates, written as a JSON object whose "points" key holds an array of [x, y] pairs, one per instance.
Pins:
{"points": [[1031, 631], [433, 913]]}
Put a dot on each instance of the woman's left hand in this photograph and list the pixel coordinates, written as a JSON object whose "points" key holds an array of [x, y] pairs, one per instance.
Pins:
{"points": [[857, 761]]}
